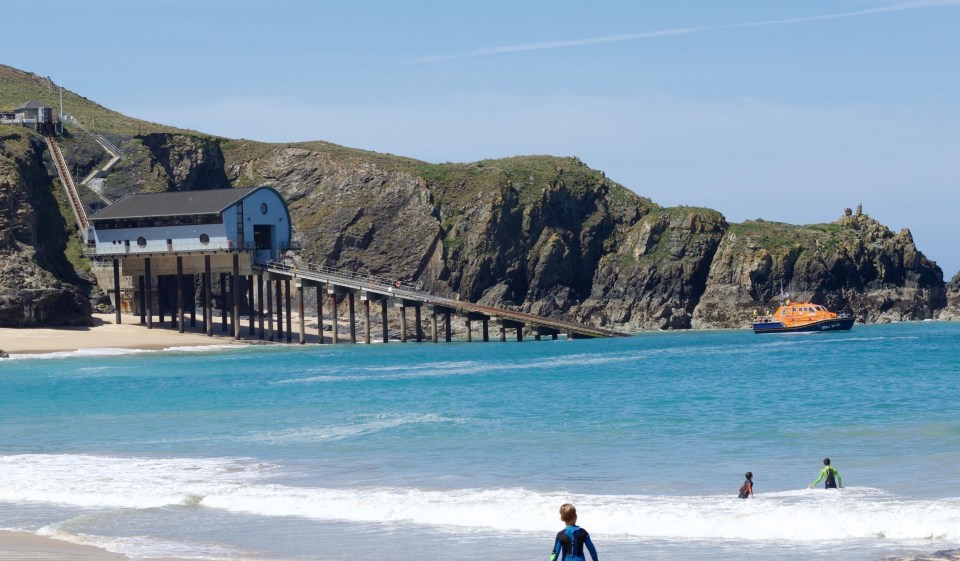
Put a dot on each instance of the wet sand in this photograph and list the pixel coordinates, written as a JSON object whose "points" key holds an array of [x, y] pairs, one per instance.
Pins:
{"points": [[22, 546]]}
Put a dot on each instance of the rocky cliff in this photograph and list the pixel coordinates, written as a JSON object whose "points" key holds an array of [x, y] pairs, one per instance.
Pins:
{"points": [[541, 234], [38, 284]]}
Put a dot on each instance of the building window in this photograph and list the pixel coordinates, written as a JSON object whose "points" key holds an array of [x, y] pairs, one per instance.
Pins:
{"points": [[142, 241], [263, 208], [204, 239]]}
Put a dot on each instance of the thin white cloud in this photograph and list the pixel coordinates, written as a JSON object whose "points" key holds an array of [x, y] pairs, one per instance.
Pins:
{"points": [[487, 51]]}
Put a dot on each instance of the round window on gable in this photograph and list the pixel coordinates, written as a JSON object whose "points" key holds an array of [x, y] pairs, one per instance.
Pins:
{"points": [[204, 239], [142, 241], [263, 208]]}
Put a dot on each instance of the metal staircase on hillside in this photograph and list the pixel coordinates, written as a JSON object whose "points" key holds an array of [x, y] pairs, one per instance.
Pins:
{"points": [[79, 213]]}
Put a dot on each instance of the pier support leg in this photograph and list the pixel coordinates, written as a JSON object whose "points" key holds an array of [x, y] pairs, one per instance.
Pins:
{"points": [[160, 299], [286, 289], [351, 310], [303, 325], [469, 334], [503, 333], [146, 264], [235, 296], [553, 336], [446, 326], [366, 322], [180, 293], [403, 322], [116, 290], [250, 308], [143, 302], [485, 331], [383, 320], [270, 333], [416, 319], [333, 318], [279, 332], [207, 302], [433, 326], [519, 333], [320, 312], [223, 302], [260, 303]]}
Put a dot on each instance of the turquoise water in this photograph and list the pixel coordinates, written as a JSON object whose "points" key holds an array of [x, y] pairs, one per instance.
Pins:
{"points": [[466, 451]]}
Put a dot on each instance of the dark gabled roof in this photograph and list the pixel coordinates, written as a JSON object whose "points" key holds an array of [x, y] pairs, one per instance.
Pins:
{"points": [[173, 203], [31, 105]]}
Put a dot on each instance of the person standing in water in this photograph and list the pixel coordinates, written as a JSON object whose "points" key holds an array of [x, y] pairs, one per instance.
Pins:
{"points": [[829, 475], [746, 490], [571, 540]]}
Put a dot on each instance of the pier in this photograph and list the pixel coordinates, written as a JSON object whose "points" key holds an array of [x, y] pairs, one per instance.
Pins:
{"points": [[163, 254]]}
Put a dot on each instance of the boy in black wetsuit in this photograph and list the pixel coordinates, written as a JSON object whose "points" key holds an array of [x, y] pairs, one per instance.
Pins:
{"points": [[571, 540], [830, 475], [746, 490]]}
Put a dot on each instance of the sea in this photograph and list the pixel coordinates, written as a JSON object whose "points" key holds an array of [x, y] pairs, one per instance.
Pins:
{"points": [[465, 451]]}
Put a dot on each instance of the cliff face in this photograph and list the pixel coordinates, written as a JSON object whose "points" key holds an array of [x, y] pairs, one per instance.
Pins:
{"points": [[541, 234], [855, 264], [38, 285]]}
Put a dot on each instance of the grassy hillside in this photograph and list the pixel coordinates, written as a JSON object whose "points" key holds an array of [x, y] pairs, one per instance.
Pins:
{"points": [[17, 87]]}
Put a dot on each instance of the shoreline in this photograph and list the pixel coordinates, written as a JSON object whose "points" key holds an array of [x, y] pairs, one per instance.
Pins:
{"points": [[25, 545], [130, 335]]}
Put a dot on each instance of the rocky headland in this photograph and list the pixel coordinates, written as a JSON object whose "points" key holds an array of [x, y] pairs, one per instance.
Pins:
{"points": [[541, 234]]}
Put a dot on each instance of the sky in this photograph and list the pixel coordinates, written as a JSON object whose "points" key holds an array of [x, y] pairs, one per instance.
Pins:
{"points": [[783, 110]]}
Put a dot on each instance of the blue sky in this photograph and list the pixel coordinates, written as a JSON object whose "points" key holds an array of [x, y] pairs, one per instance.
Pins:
{"points": [[782, 110]]}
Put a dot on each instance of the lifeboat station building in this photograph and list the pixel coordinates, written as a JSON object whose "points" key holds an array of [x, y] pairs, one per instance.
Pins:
{"points": [[186, 235]]}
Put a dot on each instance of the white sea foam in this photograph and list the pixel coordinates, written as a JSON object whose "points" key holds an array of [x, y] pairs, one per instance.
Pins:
{"points": [[112, 351], [142, 547], [243, 486], [369, 425]]}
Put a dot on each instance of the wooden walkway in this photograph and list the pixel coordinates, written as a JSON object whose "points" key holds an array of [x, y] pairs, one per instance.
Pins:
{"points": [[339, 283]]}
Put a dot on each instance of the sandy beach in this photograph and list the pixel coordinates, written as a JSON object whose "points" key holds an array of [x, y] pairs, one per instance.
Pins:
{"points": [[106, 333], [21, 546]]}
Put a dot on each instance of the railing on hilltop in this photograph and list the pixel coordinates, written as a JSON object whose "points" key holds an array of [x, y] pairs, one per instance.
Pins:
{"points": [[110, 147]]}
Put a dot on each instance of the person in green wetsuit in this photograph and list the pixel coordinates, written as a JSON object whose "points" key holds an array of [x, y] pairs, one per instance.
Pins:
{"points": [[829, 475]]}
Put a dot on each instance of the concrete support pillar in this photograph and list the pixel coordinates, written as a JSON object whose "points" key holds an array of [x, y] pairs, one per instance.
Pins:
{"points": [[353, 317], [416, 319], [485, 329], [260, 304], [270, 333], [333, 319], [446, 326], [366, 321], [279, 302], [116, 290], [223, 302], [403, 321], [235, 296], [503, 333], [303, 325], [143, 302], [250, 308], [553, 336], [146, 265], [320, 312], [180, 293], [469, 334], [207, 301], [536, 335], [433, 326], [287, 295], [519, 333], [383, 319]]}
